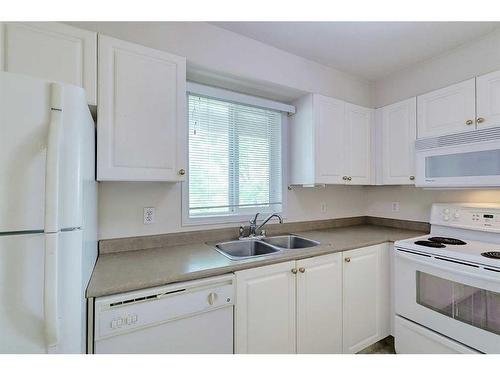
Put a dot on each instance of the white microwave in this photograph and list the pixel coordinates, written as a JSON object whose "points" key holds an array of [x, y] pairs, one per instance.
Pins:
{"points": [[470, 159]]}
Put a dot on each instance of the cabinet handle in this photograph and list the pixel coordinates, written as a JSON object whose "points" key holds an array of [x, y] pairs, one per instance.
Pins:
{"points": [[302, 270], [480, 120], [211, 298], [349, 178], [182, 172], [469, 122], [347, 260], [294, 270], [412, 178]]}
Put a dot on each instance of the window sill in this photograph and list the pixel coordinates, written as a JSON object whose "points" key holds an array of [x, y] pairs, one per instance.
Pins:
{"points": [[230, 219]]}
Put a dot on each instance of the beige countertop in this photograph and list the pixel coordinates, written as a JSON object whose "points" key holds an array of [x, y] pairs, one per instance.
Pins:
{"points": [[131, 270]]}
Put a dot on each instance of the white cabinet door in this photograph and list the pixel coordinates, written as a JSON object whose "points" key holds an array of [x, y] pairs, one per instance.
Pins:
{"points": [[399, 130], [51, 51], [141, 122], [329, 119], [357, 145], [488, 100], [265, 309], [319, 304], [448, 110], [366, 304]]}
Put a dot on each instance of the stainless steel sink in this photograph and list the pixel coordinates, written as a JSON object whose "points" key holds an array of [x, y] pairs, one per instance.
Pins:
{"points": [[257, 247], [243, 249], [290, 242]]}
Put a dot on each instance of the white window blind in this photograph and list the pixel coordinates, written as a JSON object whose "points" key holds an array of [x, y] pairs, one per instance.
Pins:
{"points": [[234, 158]]}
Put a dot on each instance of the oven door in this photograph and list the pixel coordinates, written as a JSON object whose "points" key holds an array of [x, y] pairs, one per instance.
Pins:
{"points": [[458, 300], [464, 165]]}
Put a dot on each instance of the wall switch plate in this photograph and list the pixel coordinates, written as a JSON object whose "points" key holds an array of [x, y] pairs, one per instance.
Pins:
{"points": [[395, 206], [149, 215], [324, 207]]}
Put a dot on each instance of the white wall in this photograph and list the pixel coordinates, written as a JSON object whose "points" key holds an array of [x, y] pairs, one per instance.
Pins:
{"points": [[121, 207], [212, 49], [415, 203], [475, 58], [215, 49], [478, 57]]}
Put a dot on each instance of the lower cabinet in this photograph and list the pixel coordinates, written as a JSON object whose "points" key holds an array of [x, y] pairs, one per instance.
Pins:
{"points": [[319, 304], [290, 307], [265, 310], [366, 297], [335, 303]]}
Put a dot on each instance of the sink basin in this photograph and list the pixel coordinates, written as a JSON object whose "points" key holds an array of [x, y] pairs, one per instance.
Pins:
{"points": [[242, 249], [290, 242]]}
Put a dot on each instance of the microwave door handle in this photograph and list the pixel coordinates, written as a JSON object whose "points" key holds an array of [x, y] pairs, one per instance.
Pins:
{"points": [[51, 227], [416, 259]]}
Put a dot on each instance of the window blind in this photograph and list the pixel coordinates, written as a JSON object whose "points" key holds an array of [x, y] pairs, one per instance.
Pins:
{"points": [[234, 158]]}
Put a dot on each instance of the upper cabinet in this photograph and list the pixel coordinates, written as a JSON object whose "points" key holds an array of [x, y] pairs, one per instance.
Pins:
{"points": [[488, 100], [357, 144], [448, 110], [51, 51], [330, 142], [141, 121], [465, 106], [397, 124]]}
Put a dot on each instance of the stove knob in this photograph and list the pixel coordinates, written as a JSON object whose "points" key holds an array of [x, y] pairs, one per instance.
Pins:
{"points": [[446, 211], [456, 215], [446, 218]]}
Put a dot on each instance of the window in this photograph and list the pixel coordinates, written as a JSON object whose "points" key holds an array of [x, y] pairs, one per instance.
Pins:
{"points": [[235, 159]]}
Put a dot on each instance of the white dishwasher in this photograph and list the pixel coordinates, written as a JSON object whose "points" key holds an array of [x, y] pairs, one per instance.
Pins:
{"points": [[189, 317]]}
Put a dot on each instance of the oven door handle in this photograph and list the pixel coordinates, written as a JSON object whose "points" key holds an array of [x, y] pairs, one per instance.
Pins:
{"points": [[431, 261]]}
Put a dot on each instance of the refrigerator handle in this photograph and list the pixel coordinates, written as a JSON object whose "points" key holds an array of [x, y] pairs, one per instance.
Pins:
{"points": [[52, 217], [50, 295]]}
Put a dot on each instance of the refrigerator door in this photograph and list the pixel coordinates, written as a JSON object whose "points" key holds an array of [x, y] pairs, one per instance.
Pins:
{"points": [[25, 313], [25, 115], [21, 294]]}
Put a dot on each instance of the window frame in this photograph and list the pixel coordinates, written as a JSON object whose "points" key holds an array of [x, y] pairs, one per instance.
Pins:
{"points": [[238, 218]]}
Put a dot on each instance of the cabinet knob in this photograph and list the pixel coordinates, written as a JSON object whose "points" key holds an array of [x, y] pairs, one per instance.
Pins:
{"points": [[469, 122], [480, 120], [347, 260], [349, 178], [294, 270], [412, 178], [302, 270], [182, 172]]}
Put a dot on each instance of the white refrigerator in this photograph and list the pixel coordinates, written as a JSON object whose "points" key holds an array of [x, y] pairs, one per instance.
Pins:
{"points": [[48, 215]]}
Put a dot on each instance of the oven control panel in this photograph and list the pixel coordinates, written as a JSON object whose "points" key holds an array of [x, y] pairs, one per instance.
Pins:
{"points": [[469, 216]]}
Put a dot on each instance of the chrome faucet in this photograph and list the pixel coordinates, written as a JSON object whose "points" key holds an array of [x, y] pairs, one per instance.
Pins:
{"points": [[253, 223]]}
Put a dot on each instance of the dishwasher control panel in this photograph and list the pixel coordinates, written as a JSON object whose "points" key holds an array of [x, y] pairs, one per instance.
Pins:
{"points": [[131, 311], [124, 320]]}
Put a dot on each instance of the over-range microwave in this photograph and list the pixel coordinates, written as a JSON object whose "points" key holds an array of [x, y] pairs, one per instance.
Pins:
{"points": [[464, 160]]}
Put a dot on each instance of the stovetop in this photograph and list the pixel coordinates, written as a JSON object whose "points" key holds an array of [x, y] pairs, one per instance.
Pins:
{"points": [[479, 252]]}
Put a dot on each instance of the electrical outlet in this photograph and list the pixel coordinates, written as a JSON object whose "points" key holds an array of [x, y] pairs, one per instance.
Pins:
{"points": [[324, 207], [149, 215], [395, 206]]}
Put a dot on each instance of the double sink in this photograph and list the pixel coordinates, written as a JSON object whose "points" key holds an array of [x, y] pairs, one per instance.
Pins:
{"points": [[255, 247]]}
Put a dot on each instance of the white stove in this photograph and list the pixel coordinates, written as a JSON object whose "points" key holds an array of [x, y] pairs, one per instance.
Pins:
{"points": [[447, 283]]}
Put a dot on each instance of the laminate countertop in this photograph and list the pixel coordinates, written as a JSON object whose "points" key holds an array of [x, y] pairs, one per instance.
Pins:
{"points": [[131, 270]]}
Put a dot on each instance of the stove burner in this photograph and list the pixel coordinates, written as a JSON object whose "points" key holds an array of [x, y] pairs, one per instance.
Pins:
{"points": [[447, 240], [491, 254], [429, 244]]}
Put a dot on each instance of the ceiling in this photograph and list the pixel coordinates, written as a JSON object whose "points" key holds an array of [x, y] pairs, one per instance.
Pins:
{"points": [[370, 50]]}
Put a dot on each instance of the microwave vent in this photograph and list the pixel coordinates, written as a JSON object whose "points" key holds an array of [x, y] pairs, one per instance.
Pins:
{"points": [[481, 135]]}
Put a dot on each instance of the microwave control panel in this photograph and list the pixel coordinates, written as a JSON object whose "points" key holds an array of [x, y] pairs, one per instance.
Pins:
{"points": [[471, 216]]}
